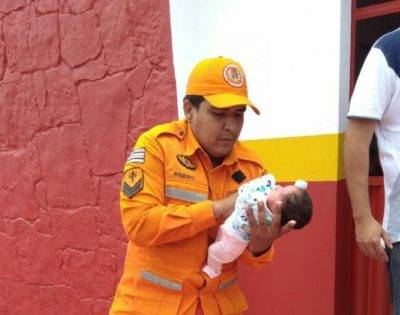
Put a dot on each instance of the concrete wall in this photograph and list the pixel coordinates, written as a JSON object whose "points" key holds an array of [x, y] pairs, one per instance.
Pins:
{"points": [[296, 55], [79, 80], [290, 50]]}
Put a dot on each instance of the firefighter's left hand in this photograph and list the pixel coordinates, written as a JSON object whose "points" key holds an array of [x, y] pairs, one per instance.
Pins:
{"points": [[262, 234]]}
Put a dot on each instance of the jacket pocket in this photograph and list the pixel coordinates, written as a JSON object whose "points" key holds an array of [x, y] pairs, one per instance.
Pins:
{"points": [[230, 298], [156, 295]]}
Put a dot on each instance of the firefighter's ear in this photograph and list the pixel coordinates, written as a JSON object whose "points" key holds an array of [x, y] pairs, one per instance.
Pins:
{"points": [[188, 109]]}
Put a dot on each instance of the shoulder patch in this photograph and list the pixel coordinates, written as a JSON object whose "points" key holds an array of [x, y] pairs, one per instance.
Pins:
{"points": [[186, 162], [132, 182], [137, 156]]}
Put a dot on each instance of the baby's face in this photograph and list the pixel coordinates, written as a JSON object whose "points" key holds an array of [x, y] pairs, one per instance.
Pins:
{"points": [[278, 194]]}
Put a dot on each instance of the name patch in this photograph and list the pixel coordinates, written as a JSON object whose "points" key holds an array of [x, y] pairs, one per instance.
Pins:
{"points": [[183, 175]]}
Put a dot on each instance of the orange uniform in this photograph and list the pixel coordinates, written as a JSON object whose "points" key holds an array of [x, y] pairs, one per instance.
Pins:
{"points": [[166, 194]]}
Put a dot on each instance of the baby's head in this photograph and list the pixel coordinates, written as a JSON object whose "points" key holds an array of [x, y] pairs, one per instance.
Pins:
{"points": [[296, 204]]}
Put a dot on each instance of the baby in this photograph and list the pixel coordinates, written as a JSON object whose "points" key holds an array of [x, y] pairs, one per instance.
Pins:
{"points": [[234, 235]]}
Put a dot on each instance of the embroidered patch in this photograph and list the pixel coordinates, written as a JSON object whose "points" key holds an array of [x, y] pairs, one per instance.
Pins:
{"points": [[137, 156], [186, 162], [233, 75], [132, 182]]}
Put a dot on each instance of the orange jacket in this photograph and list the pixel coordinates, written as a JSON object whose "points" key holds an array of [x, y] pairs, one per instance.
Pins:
{"points": [[166, 194]]}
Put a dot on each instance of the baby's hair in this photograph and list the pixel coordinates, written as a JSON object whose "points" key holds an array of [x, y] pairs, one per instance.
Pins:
{"points": [[297, 206]]}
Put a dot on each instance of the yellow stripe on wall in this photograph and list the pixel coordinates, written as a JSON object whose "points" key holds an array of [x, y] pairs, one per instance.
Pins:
{"points": [[313, 158]]}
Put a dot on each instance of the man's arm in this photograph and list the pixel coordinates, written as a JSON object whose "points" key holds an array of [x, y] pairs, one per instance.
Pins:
{"points": [[224, 207], [146, 217], [356, 161]]}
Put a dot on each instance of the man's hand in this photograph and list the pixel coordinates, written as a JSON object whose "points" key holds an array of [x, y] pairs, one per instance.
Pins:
{"points": [[263, 234], [368, 234], [224, 207]]}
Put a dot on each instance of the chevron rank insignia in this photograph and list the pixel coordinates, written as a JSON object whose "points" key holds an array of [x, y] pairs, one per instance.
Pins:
{"points": [[132, 182]]}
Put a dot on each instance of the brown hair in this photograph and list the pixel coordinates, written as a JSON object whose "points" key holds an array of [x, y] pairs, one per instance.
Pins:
{"points": [[195, 100]]}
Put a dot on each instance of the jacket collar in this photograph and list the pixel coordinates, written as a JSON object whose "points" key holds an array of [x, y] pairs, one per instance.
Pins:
{"points": [[192, 145]]}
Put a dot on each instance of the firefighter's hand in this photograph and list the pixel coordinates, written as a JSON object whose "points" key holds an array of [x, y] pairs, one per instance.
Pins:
{"points": [[224, 207], [263, 234]]}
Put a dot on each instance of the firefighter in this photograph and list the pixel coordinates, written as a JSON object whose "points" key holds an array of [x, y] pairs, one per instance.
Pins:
{"points": [[179, 184]]}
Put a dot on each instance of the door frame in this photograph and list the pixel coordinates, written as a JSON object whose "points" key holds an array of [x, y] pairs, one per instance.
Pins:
{"points": [[367, 12]]}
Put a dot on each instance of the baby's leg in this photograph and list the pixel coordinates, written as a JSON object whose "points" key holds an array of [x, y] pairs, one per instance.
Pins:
{"points": [[226, 249]]}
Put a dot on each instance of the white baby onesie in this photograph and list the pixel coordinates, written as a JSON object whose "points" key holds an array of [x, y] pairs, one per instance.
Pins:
{"points": [[233, 236]]}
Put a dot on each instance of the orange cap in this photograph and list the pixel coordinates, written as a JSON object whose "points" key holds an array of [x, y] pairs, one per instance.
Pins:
{"points": [[221, 81]]}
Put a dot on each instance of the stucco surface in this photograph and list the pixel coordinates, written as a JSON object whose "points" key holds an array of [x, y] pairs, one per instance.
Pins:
{"points": [[79, 81]]}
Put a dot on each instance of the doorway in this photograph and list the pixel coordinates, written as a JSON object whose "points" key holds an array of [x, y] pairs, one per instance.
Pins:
{"points": [[369, 290]]}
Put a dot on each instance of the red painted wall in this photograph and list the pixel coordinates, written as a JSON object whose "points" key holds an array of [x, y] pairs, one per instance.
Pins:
{"points": [[79, 80], [369, 286], [320, 269], [301, 279]]}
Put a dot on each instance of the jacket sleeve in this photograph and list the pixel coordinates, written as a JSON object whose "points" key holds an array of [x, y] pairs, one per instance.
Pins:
{"points": [[146, 218], [259, 261]]}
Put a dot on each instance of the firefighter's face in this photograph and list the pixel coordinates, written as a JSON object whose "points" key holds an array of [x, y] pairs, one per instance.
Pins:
{"points": [[216, 129]]}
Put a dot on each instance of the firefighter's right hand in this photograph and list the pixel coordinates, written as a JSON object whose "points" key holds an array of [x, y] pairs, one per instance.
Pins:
{"points": [[224, 207]]}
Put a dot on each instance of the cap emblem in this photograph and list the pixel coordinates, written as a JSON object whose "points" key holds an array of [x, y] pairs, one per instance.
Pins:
{"points": [[233, 75]]}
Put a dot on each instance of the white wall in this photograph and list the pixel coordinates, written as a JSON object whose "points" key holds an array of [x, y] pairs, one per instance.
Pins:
{"points": [[344, 79], [290, 50]]}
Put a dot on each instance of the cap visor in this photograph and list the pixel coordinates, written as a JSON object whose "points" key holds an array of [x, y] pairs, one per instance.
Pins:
{"points": [[229, 100]]}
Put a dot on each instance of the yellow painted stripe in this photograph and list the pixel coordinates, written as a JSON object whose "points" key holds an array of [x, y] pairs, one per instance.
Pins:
{"points": [[313, 158]]}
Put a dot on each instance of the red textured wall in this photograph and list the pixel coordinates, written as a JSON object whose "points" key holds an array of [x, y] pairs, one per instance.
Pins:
{"points": [[79, 80], [320, 270], [369, 286], [302, 277]]}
